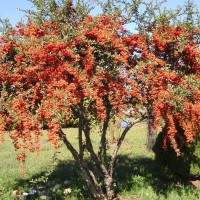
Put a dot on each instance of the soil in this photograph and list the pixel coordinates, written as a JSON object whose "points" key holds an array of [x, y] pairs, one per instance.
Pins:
{"points": [[195, 184], [128, 198], [114, 143]]}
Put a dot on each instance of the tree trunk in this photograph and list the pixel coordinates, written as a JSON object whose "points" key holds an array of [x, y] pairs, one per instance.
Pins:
{"points": [[100, 184], [109, 188], [151, 133], [94, 187]]}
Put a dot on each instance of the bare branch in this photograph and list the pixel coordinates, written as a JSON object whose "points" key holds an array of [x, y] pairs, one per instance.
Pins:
{"points": [[102, 145], [120, 140], [80, 129]]}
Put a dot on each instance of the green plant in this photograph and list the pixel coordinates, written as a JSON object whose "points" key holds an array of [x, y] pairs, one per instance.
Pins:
{"points": [[185, 166]]}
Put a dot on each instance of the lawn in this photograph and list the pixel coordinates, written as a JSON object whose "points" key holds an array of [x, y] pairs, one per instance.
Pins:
{"points": [[137, 174]]}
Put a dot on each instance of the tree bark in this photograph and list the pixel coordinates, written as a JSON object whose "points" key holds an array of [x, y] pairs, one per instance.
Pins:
{"points": [[102, 145], [94, 187], [80, 132], [151, 133], [104, 175], [120, 140]]}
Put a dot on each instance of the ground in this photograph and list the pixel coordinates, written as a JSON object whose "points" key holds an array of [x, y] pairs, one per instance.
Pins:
{"points": [[137, 175]]}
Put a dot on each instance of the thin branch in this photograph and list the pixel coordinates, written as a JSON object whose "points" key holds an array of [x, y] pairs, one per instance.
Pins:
{"points": [[68, 145], [120, 140], [93, 155], [102, 145], [80, 134]]}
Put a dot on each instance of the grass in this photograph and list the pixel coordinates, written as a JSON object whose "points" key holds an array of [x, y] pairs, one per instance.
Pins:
{"points": [[137, 175]]}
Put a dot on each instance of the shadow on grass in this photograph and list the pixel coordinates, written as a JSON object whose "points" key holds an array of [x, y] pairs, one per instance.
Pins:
{"points": [[51, 183], [131, 174], [138, 173]]}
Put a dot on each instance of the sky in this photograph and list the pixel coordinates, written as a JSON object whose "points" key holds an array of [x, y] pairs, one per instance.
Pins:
{"points": [[10, 8]]}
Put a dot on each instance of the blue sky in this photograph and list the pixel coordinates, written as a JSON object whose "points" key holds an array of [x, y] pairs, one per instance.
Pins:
{"points": [[10, 8]]}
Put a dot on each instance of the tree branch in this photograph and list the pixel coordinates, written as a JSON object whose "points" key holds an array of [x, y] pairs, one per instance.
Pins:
{"points": [[93, 155], [80, 129], [102, 145], [87, 173], [120, 140]]}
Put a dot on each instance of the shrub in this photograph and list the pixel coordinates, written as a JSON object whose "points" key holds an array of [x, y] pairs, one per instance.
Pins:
{"points": [[185, 166]]}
